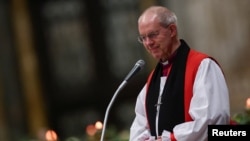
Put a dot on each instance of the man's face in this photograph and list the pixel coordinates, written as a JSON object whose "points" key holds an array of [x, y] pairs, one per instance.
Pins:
{"points": [[155, 38]]}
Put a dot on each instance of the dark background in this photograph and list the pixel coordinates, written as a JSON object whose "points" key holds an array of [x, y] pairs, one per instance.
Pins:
{"points": [[61, 63]]}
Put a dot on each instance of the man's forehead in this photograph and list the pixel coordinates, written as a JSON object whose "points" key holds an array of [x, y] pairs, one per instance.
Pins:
{"points": [[148, 17]]}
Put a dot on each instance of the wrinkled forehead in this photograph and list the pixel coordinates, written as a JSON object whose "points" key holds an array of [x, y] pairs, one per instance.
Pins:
{"points": [[148, 22], [148, 17]]}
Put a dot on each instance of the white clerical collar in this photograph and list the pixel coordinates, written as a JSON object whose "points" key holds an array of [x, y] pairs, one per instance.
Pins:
{"points": [[165, 63]]}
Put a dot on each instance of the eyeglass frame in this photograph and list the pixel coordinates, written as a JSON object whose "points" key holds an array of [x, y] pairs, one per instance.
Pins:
{"points": [[151, 35]]}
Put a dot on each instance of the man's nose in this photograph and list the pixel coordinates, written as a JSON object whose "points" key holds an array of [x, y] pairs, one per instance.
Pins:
{"points": [[148, 41]]}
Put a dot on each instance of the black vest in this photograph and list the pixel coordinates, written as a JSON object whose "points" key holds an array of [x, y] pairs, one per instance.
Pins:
{"points": [[172, 107]]}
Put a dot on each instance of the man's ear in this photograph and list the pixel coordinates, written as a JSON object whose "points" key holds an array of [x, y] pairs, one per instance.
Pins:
{"points": [[173, 30]]}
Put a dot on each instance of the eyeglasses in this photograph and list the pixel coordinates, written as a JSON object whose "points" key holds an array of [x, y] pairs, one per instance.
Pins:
{"points": [[151, 35]]}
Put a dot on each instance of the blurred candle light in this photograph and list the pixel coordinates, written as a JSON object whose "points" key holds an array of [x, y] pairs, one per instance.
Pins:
{"points": [[248, 104], [98, 125], [51, 135], [91, 130]]}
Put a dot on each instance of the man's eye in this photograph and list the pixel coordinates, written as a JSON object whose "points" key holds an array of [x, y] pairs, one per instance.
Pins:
{"points": [[143, 37], [152, 35]]}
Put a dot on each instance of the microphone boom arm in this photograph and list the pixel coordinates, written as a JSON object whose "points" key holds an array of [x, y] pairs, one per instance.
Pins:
{"points": [[122, 85], [138, 66]]}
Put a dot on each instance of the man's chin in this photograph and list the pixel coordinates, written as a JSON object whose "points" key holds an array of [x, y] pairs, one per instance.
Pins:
{"points": [[158, 57]]}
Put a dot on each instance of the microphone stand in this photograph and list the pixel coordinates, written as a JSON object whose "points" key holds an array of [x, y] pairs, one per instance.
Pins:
{"points": [[122, 85]]}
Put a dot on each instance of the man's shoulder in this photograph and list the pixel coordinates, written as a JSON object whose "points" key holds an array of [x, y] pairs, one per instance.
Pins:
{"points": [[197, 55]]}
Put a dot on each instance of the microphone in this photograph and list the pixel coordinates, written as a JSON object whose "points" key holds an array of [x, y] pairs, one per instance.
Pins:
{"points": [[137, 67]]}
